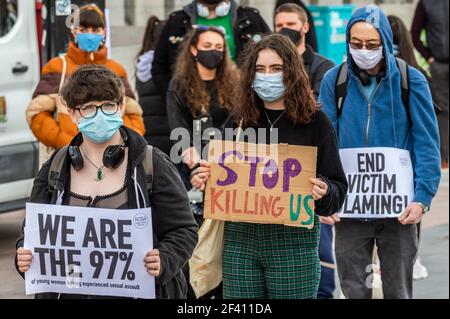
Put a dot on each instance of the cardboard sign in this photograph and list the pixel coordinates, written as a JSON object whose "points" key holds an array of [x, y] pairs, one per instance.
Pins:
{"points": [[88, 251], [259, 183], [380, 182]]}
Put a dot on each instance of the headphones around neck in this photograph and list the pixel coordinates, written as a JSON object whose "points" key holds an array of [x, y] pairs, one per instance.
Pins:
{"points": [[222, 9], [365, 77], [112, 157]]}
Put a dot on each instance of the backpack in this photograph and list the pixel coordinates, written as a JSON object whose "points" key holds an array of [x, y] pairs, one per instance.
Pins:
{"points": [[342, 83], [58, 161]]}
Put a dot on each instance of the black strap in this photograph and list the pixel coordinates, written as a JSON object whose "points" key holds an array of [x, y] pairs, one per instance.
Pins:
{"points": [[56, 165], [342, 83], [58, 161], [148, 168], [340, 89], [404, 73]]}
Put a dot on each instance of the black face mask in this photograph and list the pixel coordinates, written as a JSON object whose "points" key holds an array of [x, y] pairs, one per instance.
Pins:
{"points": [[295, 36], [209, 2], [210, 59]]}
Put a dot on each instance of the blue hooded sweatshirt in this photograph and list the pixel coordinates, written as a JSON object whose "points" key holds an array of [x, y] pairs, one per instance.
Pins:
{"points": [[384, 122]]}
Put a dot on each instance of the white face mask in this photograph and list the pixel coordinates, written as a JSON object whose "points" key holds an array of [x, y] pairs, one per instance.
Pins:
{"points": [[222, 10], [367, 59]]}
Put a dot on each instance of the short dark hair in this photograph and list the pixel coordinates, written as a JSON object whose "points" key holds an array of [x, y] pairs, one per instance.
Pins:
{"points": [[292, 8], [92, 83]]}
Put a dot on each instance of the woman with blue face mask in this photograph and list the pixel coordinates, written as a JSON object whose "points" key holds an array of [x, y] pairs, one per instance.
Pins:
{"points": [[268, 260], [87, 47], [106, 165]]}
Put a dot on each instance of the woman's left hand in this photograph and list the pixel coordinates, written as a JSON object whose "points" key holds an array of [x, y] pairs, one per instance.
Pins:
{"points": [[153, 263], [320, 188]]}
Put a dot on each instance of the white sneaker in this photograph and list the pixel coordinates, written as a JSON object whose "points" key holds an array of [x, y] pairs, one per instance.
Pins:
{"points": [[420, 271]]}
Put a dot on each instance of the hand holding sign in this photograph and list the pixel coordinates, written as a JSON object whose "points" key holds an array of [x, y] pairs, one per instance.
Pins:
{"points": [[320, 188], [412, 214], [153, 263], [24, 259]]}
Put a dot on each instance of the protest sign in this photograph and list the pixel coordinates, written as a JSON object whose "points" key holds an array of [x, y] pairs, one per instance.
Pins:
{"points": [[90, 251], [260, 183], [380, 182]]}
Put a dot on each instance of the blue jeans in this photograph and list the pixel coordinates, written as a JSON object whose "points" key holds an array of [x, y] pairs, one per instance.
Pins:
{"points": [[327, 282]]}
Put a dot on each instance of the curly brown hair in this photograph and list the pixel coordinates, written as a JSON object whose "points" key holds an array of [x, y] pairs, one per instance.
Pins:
{"points": [[189, 81], [300, 103]]}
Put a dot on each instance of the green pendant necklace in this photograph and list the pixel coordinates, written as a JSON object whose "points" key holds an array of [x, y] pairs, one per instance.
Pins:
{"points": [[100, 173]]}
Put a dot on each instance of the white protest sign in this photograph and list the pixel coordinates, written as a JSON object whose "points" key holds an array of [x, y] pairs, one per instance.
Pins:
{"points": [[90, 251], [380, 182]]}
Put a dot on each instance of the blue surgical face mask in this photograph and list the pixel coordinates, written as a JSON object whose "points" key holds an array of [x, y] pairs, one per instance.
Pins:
{"points": [[269, 87], [101, 128], [89, 42]]}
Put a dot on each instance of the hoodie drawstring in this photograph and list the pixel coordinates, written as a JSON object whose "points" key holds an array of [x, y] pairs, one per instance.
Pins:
{"points": [[392, 111], [138, 190]]}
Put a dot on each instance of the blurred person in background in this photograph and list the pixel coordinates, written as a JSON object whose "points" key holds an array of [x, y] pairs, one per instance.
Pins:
{"points": [[433, 17], [311, 36], [241, 25], [46, 115], [155, 115]]}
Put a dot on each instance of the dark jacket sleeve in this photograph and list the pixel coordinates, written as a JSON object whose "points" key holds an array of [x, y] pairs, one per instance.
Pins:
{"points": [[174, 223], [39, 194], [329, 168], [178, 112], [180, 116], [161, 68], [324, 66], [311, 36], [419, 23]]}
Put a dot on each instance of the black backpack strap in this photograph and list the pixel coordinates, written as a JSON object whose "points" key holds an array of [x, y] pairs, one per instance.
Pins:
{"points": [[404, 74], [54, 175], [148, 168], [56, 167], [340, 88]]}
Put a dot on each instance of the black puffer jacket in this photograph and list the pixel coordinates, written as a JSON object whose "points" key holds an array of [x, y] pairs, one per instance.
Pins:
{"points": [[175, 229], [248, 25], [157, 132]]}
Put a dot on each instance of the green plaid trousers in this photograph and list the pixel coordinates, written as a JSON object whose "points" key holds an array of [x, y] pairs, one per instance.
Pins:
{"points": [[267, 261]]}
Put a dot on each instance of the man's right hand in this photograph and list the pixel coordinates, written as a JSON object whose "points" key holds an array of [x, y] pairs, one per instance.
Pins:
{"points": [[24, 259], [431, 60]]}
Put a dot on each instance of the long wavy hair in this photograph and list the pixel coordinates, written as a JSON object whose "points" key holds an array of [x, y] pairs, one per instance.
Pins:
{"points": [[299, 100], [189, 81]]}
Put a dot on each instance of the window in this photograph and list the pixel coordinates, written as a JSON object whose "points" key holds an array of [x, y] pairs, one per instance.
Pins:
{"points": [[8, 16]]}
